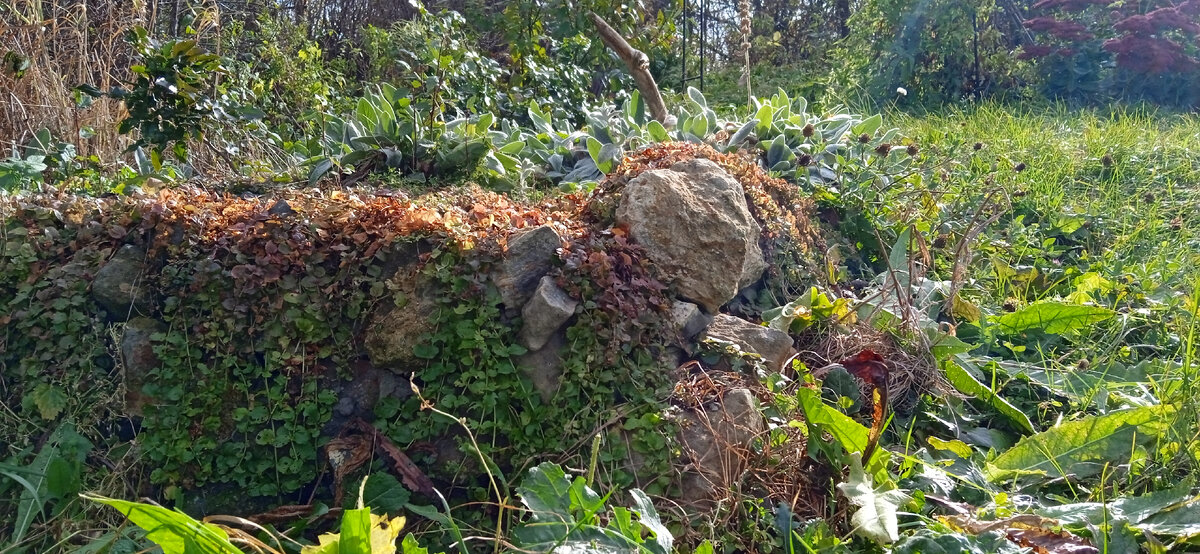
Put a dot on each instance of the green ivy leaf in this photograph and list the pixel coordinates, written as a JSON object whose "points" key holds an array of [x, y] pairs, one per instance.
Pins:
{"points": [[49, 399]]}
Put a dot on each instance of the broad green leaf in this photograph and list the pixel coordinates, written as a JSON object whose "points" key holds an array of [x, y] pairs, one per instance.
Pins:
{"points": [[764, 117], [741, 134], [658, 133], [1134, 509], [1082, 448], [648, 517], [876, 516], [851, 435], [943, 345], [1052, 317], [355, 536], [563, 518], [959, 448], [699, 126], [513, 148], [959, 376], [174, 531], [384, 493], [319, 170], [362, 532], [696, 96], [930, 541], [868, 126], [898, 257], [1079, 383], [485, 121]]}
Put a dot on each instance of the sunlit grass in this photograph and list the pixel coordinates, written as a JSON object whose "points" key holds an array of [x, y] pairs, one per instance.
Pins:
{"points": [[1135, 174]]}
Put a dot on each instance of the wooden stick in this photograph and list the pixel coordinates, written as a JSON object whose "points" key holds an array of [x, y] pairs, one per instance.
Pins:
{"points": [[639, 67]]}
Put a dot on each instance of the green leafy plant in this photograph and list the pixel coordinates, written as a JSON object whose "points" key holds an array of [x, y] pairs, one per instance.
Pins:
{"points": [[53, 476], [175, 532], [567, 514], [876, 517]]}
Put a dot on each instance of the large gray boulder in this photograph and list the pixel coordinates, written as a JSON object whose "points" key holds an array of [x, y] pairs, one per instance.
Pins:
{"points": [[119, 287], [694, 223], [527, 258], [545, 313], [138, 360], [716, 441], [394, 329], [773, 345]]}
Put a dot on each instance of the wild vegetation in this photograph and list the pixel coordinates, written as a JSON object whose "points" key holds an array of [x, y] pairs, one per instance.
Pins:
{"points": [[981, 240]]}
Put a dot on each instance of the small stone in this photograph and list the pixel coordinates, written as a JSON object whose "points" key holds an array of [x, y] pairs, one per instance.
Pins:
{"points": [[545, 313], [544, 366], [773, 345], [138, 360], [715, 443], [689, 320], [119, 287], [281, 209], [527, 258]]}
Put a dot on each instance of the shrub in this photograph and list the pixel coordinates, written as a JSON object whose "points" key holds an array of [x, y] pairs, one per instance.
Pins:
{"points": [[939, 51], [1134, 51]]}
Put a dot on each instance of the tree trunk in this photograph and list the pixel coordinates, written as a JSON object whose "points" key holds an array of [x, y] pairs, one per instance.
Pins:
{"points": [[639, 66], [841, 10]]}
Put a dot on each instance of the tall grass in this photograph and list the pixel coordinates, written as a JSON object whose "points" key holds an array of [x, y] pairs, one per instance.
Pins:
{"points": [[1135, 173], [67, 43]]}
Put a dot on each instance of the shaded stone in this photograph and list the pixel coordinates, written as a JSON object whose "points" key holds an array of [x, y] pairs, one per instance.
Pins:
{"points": [[545, 313], [119, 287], [715, 443], [358, 396], [281, 209], [138, 360], [528, 257], [395, 330], [695, 225], [688, 319], [773, 345], [545, 365]]}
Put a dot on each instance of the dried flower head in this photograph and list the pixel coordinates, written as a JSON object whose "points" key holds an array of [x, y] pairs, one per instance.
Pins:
{"points": [[864, 138], [883, 149], [1106, 161], [913, 150], [1019, 167], [978, 146], [809, 130], [804, 160]]}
